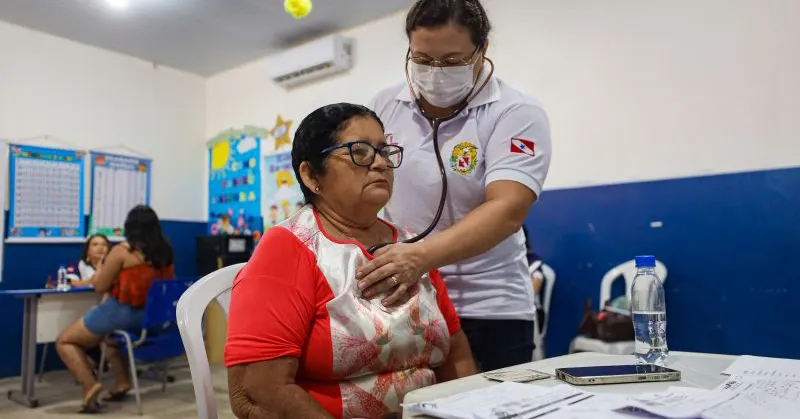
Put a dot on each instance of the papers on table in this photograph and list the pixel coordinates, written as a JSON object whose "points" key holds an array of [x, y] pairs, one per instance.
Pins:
{"points": [[759, 366], [788, 390], [757, 398], [737, 398], [678, 402], [505, 400], [517, 375]]}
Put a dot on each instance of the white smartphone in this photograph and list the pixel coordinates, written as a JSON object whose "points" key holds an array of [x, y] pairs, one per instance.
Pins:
{"points": [[616, 374]]}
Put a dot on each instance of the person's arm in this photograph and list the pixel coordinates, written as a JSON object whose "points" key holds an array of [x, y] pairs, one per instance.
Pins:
{"points": [[266, 390], [459, 362], [272, 309], [514, 179], [109, 268], [84, 281], [501, 215]]}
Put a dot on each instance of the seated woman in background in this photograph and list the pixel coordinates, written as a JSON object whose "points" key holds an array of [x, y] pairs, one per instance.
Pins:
{"points": [[95, 249], [302, 340], [537, 279], [126, 274]]}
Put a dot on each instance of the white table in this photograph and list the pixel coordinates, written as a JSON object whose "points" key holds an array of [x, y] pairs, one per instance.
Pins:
{"points": [[697, 370], [46, 313]]}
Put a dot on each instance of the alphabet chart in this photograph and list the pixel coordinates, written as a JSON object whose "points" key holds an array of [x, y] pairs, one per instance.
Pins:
{"points": [[46, 192], [119, 183]]}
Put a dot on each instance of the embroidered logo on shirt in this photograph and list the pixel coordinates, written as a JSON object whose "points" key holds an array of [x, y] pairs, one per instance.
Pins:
{"points": [[518, 145], [464, 158]]}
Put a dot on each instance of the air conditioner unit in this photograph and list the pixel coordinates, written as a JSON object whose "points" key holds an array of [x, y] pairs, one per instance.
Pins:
{"points": [[310, 61]]}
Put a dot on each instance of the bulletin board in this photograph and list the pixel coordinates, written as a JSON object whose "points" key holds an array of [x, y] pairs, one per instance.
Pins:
{"points": [[46, 190], [281, 194], [119, 183], [234, 185]]}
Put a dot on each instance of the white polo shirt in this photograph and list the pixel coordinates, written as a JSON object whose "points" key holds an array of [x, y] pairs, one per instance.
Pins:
{"points": [[502, 135]]}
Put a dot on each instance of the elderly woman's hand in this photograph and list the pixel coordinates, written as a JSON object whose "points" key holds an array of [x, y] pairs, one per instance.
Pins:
{"points": [[397, 266]]}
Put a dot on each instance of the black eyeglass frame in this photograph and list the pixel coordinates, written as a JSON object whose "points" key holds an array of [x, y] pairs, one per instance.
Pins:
{"points": [[377, 151]]}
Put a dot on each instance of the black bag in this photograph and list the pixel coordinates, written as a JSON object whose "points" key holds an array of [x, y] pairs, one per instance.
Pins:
{"points": [[608, 326]]}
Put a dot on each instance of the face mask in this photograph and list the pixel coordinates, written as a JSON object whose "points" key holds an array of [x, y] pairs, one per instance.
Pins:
{"points": [[442, 86]]}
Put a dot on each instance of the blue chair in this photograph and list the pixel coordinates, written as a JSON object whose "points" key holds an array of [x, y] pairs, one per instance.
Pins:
{"points": [[159, 341]]}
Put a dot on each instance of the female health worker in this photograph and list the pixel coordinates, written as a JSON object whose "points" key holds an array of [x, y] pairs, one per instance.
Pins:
{"points": [[496, 152]]}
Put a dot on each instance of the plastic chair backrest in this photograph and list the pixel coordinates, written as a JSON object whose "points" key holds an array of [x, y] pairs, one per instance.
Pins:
{"points": [[191, 306], [627, 271], [159, 313], [549, 283]]}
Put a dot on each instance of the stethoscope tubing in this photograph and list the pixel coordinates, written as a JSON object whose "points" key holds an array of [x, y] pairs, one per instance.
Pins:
{"points": [[436, 122]]}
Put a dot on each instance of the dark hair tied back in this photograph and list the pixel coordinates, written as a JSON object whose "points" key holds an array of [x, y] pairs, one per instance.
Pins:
{"points": [[436, 13]]}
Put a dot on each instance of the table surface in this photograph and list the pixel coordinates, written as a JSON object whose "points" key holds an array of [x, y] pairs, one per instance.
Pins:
{"points": [[44, 291], [697, 370]]}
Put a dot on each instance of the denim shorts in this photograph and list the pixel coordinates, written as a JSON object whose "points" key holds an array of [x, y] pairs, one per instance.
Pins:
{"points": [[112, 315]]}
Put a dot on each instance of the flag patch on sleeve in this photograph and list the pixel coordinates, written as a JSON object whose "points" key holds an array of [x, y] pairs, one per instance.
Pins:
{"points": [[518, 145]]}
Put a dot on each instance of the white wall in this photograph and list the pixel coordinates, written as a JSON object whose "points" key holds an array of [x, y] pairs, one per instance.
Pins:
{"points": [[635, 90], [95, 98]]}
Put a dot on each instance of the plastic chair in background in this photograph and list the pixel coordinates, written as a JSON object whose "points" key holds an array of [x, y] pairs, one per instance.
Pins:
{"points": [[538, 338], [627, 271], [159, 341], [216, 285]]}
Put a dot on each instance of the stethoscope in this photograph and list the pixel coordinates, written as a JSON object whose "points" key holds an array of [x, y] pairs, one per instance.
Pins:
{"points": [[436, 122]]}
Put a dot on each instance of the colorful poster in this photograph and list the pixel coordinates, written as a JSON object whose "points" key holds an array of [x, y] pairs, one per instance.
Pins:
{"points": [[119, 183], [234, 186], [281, 192], [46, 192]]}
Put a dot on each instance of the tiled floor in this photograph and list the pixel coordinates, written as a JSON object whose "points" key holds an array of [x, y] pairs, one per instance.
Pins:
{"points": [[59, 397]]}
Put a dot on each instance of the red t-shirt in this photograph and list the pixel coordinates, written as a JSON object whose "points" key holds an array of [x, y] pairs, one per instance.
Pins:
{"points": [[297, 297]]}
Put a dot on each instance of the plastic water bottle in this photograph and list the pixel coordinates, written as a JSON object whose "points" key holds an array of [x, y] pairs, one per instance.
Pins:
{"points": [[649, 312], [63, 283]]}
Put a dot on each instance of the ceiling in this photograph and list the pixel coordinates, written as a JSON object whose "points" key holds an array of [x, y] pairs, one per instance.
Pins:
{"points": [[199, 36]]}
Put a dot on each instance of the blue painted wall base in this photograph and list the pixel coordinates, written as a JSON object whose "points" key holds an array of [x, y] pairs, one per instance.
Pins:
{"points": [[730, 243], [28, 265]]}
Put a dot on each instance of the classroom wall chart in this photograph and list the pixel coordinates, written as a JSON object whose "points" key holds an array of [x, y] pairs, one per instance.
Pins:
{"points": [[281, 192], [46, 192], [234, 186], [119, 183]]}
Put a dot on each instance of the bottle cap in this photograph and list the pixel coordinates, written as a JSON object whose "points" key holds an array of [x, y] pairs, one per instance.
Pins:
{"points": [[645, 261]]}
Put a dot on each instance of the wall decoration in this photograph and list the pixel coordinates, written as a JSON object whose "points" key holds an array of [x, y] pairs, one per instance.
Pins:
{"points": [[234, 186], [281, 192], [119, 183], [46, 193], [282, 133]]}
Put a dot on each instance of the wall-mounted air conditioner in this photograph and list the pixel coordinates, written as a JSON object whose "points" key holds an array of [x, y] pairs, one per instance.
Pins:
{"points": [[310, 61]]}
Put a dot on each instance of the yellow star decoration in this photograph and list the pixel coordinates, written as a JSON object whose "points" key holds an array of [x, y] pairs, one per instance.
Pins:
{"points": [[281, 133]]}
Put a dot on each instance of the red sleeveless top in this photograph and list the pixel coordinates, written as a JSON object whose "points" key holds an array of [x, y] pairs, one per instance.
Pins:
{"points": [[133, 283]]}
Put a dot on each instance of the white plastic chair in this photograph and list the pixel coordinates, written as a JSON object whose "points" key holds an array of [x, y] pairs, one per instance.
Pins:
{"points": [[627, 271], [216, 285], [538, 338]]}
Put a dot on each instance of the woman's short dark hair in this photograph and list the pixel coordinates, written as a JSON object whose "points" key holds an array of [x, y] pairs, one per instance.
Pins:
{"points": [[143, 233], [85, 254], [318, 131], [436, 13]]}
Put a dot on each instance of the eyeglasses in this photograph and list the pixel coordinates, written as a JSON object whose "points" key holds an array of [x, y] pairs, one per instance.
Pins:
{"points": [[363, 153], [447, 62]]}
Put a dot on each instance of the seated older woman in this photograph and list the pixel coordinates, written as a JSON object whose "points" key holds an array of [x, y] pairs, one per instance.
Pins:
{"points": [[302, 340]]}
